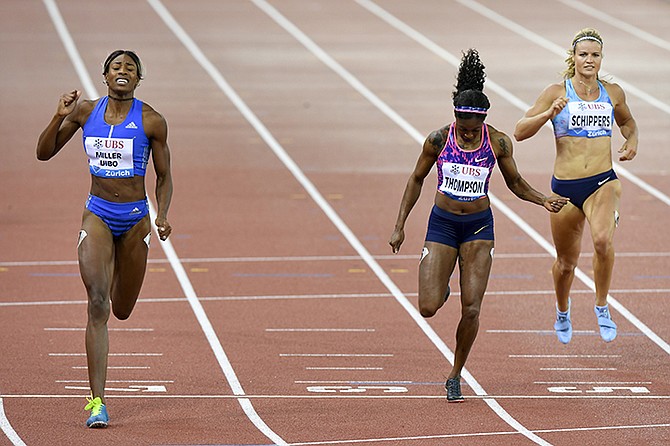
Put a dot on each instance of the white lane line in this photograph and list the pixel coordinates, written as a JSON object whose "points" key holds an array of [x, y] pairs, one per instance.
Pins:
{"points": [[7, 428], [129, 389], [394, 440], [593, 382], [341, 225], [336, 355], [538, 331], [564, 356], [109, 354], [559, 51], [320, 330], [565, 369], [514, 293], [108, 329], [178, 268], [358, 382], [514, 217], [199, 311], [119, 367], [117, 381], [344, 368], [634, 31], [358, 396], [502, 255]]}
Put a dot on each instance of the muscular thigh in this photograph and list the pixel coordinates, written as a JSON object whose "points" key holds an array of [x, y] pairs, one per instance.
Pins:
{"points": [[601, 208], [436, 266], [475, 260], [132, 250], [95, 249], [567, 227]]}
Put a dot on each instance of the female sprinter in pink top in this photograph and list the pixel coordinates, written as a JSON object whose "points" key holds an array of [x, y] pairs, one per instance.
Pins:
{"points": [[460, 227]]}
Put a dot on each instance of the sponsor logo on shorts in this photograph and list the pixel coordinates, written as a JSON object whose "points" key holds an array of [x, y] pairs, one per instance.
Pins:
{"points": [[600, 183]]}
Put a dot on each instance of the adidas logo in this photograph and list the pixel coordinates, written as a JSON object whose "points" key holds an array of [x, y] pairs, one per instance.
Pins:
{"points": [[135, 211], [132, 125]]}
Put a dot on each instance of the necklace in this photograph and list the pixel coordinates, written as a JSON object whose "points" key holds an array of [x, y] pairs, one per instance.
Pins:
{"points": [[588, 89], [121, 100]]}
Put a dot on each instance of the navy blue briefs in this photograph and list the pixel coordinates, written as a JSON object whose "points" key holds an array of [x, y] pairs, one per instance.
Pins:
{"points": [[453, 229], [582, 188]]}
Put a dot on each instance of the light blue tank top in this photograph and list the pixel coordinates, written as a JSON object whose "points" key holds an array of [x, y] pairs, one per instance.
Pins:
{"points": [[116, 151], [586, 119]]}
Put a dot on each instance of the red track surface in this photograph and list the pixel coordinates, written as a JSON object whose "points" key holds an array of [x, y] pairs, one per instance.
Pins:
{"points": [[323, 352]]}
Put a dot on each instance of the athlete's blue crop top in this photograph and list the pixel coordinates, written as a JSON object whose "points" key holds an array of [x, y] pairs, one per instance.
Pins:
{"points": [[587, 119], [116, 151]]}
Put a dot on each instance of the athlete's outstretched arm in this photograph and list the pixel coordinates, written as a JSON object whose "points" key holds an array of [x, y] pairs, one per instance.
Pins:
{"points": [[502, 145]]}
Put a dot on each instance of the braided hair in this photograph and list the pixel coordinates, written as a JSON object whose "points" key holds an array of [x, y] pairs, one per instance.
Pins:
{"points": [[469, 98]]}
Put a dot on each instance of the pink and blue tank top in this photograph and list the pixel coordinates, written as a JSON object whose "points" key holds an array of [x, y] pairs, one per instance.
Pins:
{"points": [[464, 175], [116, 151], [586, 119]]}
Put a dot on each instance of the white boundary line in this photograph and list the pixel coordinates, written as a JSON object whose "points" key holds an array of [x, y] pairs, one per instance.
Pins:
{"points": [[344, 229], [154, 2], [477, 435], [147, 300], [391, 114], [556, 49], [348, 397], [533, 38], [395, 257], [178, 268], [634, 31], [7, 428]]}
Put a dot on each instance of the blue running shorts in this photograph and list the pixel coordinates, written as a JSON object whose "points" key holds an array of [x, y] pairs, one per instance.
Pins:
{"points": [[453, 230], [119, 217], [582, 188]]}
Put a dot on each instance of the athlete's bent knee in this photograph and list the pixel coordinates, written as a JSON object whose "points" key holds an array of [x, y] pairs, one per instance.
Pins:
{"points": [[470, 313], [427, 311], [98, 308], [564, 267], [601, 245], [122, 314]]}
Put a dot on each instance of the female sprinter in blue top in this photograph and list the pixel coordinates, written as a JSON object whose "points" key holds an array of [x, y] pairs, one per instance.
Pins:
{"points": [[583, 110], [120, 133]]}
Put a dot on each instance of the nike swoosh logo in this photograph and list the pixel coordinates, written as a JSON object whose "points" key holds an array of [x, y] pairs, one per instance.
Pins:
{"points": [[479, 160], [481, 229], [600, 183]]}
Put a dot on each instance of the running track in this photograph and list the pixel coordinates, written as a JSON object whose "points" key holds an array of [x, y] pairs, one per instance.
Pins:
{"points": [[276, 314]]}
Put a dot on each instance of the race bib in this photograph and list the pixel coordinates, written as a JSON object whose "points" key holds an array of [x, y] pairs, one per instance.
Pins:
{"points": [[110, 157], [595, 118], [464, 182]]}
